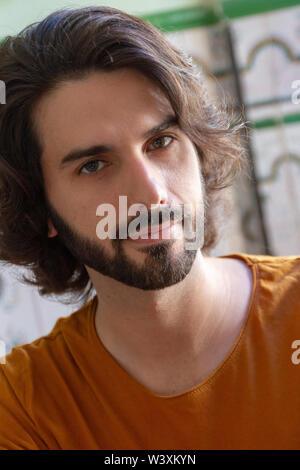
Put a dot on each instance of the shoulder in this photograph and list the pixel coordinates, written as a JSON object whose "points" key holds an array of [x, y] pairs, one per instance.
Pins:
{"points": [[28, 361], [29, 378], [279, 262], [272, 267], [282, 272], [276, 281], [278, 287]]}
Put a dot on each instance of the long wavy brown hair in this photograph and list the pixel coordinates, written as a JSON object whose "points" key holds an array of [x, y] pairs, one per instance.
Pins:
{"points": [[69, 44]]}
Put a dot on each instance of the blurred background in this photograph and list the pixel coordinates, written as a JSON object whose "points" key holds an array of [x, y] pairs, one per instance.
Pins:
{"points": [[249, 52]]}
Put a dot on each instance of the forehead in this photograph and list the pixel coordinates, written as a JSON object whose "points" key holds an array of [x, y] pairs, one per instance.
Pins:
{"points": [[102, 106]]}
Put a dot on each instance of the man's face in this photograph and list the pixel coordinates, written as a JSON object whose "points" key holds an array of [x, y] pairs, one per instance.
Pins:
{"points": [[116, 110]]}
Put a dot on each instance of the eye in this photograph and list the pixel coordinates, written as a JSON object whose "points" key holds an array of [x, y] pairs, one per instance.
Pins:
{"points": [[160, 138], [91, 165]]}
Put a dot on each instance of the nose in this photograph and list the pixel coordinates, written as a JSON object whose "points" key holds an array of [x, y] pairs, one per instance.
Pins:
{"points": [[145, 183]]}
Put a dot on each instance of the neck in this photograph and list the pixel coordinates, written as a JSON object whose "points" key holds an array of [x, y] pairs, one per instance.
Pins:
{"points": [[175, 323]]}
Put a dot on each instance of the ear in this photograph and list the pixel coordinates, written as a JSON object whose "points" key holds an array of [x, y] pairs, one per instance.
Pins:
{"points": [[52, 232]]}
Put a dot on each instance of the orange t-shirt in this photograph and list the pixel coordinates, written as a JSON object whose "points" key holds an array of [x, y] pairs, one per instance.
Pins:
{"points": [[66, 391]]}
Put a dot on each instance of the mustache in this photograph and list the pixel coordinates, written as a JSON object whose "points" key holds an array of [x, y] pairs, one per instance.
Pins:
{"points": [[154, 218]]}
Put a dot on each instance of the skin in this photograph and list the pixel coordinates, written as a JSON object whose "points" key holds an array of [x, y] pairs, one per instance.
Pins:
{"points": [[168, 328]]}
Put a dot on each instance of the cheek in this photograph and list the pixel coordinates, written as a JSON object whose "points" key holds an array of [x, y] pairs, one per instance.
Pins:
{"points": [[190, 169], [86, 215], [196, 172], [78, 209]]}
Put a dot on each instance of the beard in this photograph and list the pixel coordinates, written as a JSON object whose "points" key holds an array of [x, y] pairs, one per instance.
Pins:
{"points": [[163, 266]]}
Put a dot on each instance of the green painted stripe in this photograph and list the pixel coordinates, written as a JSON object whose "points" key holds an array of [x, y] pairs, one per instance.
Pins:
{"points": [[191, 17], [239, 8], [183, 18], [271, 122]]}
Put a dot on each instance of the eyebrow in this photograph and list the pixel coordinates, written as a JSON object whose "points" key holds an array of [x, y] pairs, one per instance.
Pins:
{"points": [[170, 121]]}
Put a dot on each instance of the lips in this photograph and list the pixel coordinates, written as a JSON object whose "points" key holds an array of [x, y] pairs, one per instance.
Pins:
{"points": [[156, 229]]}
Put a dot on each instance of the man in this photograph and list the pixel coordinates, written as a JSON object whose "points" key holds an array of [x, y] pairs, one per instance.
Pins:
{"points": [[177, 350]]}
